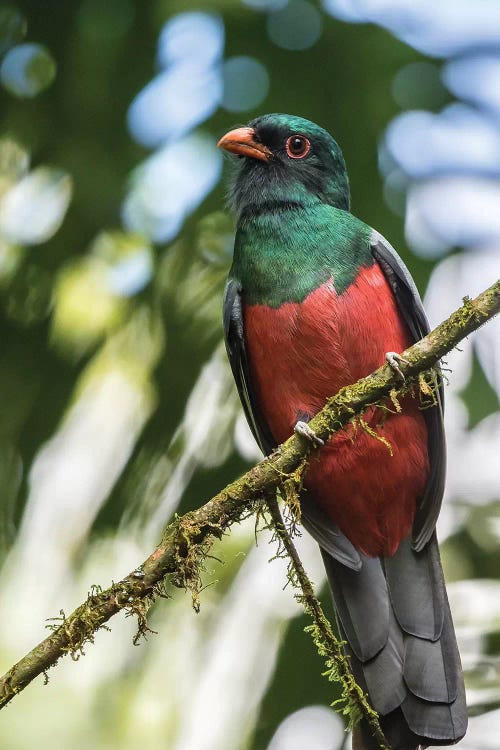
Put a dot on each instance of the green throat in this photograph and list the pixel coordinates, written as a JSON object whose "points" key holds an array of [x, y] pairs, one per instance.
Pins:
{"points": [[286, 250], [294, 228]]}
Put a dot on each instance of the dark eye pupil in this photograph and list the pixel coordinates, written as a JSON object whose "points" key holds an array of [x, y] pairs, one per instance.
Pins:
{"points": [[297, 146]]}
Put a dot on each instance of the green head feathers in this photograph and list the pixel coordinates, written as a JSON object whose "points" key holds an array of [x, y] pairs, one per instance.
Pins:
{"points": [[291, 198], [289, 160]]}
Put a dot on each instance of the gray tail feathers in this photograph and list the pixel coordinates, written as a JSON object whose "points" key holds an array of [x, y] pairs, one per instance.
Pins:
{"points": [[395, 619]]}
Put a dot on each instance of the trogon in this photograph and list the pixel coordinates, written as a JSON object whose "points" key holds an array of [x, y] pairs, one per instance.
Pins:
{"points": [[315, 300]]}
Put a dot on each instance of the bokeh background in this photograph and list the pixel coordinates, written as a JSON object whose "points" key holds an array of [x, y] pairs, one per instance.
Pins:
{"points": [[117, 405]]}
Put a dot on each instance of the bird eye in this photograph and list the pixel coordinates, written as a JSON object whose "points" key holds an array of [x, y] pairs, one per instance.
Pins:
{"points": [[297, 146]]}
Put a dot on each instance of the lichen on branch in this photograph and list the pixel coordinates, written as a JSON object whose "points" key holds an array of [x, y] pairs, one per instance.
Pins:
{"points": [[354, 702], [187, 540]]}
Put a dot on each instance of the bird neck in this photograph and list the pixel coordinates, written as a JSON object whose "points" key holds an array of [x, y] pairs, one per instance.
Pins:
{"points": [[284, 251], [256, 190]]}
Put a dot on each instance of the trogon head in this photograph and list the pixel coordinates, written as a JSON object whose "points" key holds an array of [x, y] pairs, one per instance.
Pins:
{"points": [[286, 159]]}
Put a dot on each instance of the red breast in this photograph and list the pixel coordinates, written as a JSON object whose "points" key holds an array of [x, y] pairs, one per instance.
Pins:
{"points": [[302, 353]]}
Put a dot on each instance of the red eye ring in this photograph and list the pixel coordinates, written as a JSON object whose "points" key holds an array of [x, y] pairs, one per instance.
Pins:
{"points": [[297, 146]]}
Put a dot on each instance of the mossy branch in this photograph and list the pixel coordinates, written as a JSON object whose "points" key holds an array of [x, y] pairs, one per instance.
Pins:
{"points": [[354, 703], [186, 541]]}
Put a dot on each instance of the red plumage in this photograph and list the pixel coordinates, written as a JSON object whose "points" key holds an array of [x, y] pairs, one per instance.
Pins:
{"points": [[301, 353]]}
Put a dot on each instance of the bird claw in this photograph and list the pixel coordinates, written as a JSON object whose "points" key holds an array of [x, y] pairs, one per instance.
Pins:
{"points": [[392, 359], [303, 429]]}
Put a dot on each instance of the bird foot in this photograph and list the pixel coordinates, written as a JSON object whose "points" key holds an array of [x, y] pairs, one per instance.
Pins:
{"points": [[303, 429], [392, 359]]}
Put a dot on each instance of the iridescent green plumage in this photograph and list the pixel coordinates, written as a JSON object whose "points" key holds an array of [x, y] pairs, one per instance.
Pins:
{"points": [[314, 301], [281, 254], [306, 249]]}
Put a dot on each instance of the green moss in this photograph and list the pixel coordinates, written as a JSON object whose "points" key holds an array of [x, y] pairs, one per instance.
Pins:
{"points": [[353, 703]]}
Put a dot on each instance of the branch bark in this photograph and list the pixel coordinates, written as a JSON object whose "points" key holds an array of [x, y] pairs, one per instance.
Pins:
{"points": [[186, 541], [355, 703]]}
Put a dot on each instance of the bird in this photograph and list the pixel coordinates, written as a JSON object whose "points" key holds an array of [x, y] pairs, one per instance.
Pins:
{"points": [[316, 299]]}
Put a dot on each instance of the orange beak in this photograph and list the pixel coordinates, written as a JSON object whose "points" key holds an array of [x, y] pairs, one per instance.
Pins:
{"points": [[242, 141]]}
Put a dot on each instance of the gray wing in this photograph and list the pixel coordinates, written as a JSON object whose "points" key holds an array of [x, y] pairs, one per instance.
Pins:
{"points": [[317, 523], [234, 336], [410, 305]]}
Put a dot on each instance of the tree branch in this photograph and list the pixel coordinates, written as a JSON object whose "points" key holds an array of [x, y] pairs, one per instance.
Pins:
{"points": [[355, 702], [187, 540]]}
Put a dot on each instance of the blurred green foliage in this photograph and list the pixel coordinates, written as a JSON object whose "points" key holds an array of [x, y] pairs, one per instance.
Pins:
{"points": [[104, 55], [64, 320]]}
